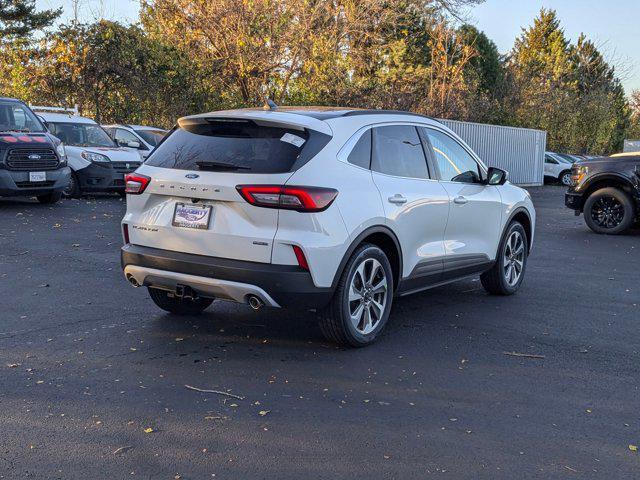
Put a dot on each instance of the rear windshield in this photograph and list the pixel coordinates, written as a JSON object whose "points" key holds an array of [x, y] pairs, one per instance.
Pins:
{"points": [[241, 146]]}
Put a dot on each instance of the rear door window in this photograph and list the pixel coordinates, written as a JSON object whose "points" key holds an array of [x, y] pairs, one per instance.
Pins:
{"points": [[242, 146], [397, 151]]}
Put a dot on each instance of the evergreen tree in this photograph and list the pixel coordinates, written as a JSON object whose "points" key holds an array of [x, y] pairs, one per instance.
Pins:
{"points": [[19, 18], [544, 80]]}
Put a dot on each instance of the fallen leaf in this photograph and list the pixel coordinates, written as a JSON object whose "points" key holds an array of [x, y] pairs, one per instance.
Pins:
{"points": [[148, 430], [633, 448], [262, 413]]}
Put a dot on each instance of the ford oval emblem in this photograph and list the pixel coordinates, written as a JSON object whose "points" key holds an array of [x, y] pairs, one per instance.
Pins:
{"points": [[192, 175], [34, 156]]}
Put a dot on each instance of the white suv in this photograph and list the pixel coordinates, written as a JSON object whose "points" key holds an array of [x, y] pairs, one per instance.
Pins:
{"points": [[337, 210]]}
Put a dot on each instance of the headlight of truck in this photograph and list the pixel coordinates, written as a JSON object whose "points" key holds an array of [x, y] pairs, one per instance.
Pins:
{"points": [[61, 151], [94, 157], [579, 172]]}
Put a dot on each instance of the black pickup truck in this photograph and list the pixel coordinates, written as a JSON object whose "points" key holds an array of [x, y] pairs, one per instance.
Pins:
{"points": [[607, 191], [32, 161]]}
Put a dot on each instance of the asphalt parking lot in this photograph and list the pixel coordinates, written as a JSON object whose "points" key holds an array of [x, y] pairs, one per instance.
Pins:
{"points": [[93, 375]]}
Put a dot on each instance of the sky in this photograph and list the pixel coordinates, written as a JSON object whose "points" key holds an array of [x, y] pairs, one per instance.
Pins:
{"points": [[612, 25]]}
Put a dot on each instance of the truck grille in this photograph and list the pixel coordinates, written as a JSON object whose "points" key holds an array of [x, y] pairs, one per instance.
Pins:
{"points": [[32, 159], [121, 167]]}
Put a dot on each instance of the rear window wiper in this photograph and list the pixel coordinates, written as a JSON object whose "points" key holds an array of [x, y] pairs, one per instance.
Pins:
{"points": [[220, 166]]}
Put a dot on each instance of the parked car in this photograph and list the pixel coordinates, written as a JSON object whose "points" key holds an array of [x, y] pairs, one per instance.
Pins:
{"points": [[138, 137], [607, 191], [32, 161], [97, 163], [557, 168], [331, 209]]}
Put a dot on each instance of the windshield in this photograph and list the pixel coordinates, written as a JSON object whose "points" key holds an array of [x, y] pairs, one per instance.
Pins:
{"points": [[152, 137], [16, 117], [81, 134]]}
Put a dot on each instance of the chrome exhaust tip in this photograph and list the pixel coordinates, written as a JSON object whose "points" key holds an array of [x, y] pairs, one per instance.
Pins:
{"points": [[133, 281], [255, 302]]}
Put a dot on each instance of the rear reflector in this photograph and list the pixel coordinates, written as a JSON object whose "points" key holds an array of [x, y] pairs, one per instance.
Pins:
{"points": [[302, 260], [125, 233], [135, 183], [301, 199]]}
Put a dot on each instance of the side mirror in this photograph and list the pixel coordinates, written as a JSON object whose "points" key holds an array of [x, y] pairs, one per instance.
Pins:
{"points": [[133, 144], [497, 176]]}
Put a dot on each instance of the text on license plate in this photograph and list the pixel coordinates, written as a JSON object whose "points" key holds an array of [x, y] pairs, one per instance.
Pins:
{"points": [[192, 216], [37, 176]]}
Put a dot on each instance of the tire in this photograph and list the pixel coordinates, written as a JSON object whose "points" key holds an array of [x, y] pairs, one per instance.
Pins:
{"points": [[368, 263], [178, 306], [565, 178], [50, 198], [506, 275], [72, 190], [609, 211]]}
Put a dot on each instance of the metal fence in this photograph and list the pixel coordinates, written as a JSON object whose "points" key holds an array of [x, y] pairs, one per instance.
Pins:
{"points": [[520, 151]]}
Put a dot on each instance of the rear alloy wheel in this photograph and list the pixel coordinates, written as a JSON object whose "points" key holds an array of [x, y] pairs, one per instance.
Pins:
{"points": [[506, 275], [361, 304], [168, 302], [609, 211], [565, 179]]}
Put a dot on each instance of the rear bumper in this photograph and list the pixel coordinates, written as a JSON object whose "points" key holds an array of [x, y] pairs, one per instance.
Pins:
{"points": [[573, 201], [276, 285], [16, 183], [103, 178]]}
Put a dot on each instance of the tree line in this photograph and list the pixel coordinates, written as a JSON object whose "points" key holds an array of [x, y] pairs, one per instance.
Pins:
{"points": [[189, 56]]}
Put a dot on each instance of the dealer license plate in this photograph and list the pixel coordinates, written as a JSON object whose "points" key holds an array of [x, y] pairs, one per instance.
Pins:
{"points": [[188, 215]]}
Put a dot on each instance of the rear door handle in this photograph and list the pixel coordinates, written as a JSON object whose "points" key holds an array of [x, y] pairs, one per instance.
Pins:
{"points": [[397, 199], [460, 200]]}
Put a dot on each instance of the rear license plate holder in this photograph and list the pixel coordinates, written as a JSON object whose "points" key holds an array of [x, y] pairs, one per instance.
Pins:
{"points": [[189, 215]]}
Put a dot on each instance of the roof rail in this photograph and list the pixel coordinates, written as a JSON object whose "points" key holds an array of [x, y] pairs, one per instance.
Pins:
{"points": [[71, 111]]}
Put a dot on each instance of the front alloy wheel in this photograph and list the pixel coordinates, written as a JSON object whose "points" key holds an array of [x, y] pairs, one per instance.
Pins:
{"points": [[609, 210], [513, 261], [361, 304], [565, 178], [507, 273]]}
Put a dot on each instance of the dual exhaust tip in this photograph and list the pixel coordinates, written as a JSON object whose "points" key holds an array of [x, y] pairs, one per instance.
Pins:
{"points": [[254, 301]]}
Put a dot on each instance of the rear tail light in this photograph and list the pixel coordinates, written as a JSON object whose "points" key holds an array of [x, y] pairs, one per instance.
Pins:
{"points": [[125, 233], [135, 183], [301, 199], [302, 260]]}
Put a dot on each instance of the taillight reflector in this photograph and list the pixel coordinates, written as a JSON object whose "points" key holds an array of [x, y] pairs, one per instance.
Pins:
{"points": [[125, 233], [135, 183], [302, 260], [301, 199]]}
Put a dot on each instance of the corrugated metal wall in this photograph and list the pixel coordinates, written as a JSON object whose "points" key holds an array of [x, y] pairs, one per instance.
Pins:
{"points": [[520, 151]]}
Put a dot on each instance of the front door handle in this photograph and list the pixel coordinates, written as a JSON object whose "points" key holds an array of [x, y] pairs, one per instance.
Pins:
{"points": [[460, 200], [397, 199]]}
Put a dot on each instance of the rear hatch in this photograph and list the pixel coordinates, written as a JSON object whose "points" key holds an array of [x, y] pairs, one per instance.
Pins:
{"points": [[192, 205]]}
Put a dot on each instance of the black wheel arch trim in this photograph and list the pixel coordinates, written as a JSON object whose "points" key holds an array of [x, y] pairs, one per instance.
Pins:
{"points": [[357, 241], [618, 177], [508, 222]]}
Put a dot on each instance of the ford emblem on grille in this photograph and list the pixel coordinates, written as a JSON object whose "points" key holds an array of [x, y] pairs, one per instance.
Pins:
{"points": [[33, 156], [192, 175]]}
